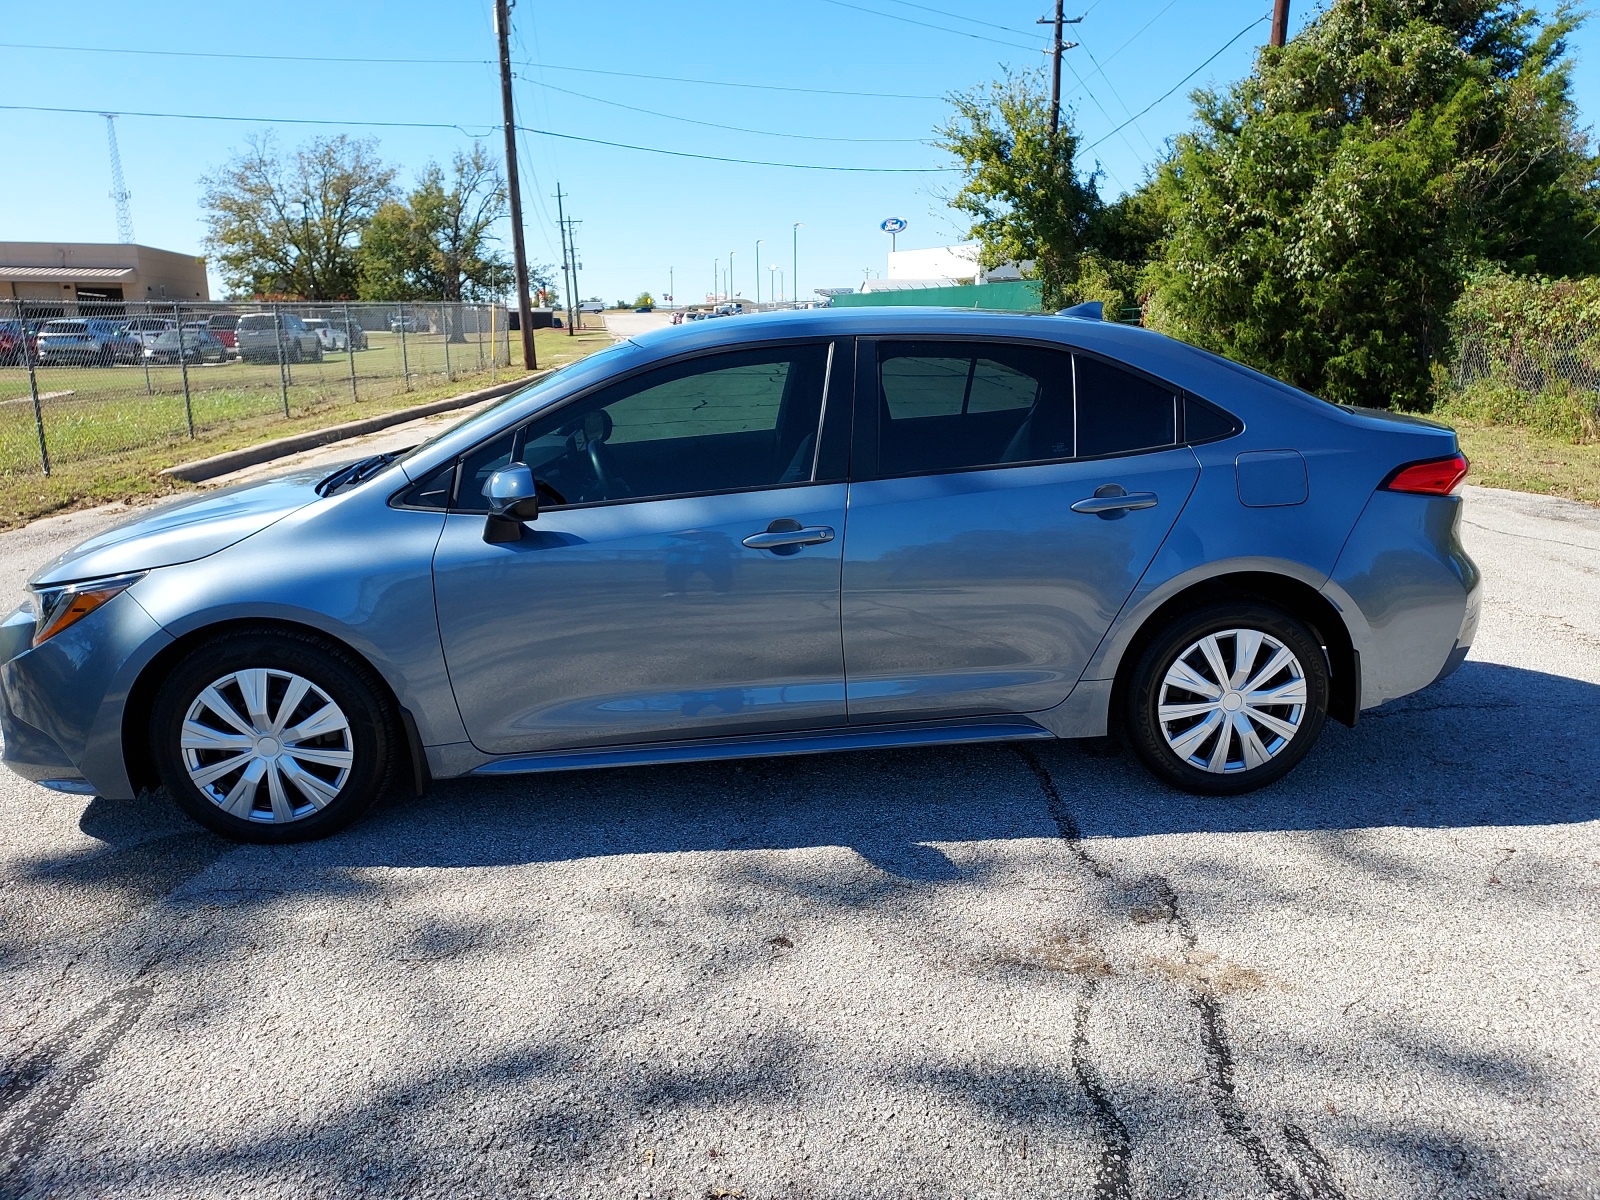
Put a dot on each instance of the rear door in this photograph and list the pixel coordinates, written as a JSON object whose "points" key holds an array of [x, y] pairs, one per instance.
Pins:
{"points": [[971, 582]]}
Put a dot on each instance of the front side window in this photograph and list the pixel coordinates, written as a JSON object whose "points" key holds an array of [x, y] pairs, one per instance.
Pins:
{"points": [[720, 423]]}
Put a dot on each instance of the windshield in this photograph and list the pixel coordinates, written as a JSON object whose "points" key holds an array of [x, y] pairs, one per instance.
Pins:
{"points": [[256, 321], [490, 417]]}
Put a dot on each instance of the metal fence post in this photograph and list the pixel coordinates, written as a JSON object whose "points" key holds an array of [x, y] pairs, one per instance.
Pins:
{"points": [[183, 368], [477, 327], [350, 350], [33, 386], [283, 367], [405, 363], [444, 319], [148, 390], [494, 346]]}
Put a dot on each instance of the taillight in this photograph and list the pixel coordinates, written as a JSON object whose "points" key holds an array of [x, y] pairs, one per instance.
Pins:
{"points": [[1433, 477]]}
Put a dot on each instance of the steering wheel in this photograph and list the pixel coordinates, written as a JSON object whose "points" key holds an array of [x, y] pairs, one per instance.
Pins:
{"points": [[589, 435]]}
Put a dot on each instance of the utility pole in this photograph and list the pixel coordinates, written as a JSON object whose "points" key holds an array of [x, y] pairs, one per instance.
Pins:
{"points": [[1280, 22], [1056, 47], [757, 265], [572, 249], [569, 277], [519, 252]]}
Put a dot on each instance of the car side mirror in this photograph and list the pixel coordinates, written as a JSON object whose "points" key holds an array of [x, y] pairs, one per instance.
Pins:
{"points": [[513, 498]]}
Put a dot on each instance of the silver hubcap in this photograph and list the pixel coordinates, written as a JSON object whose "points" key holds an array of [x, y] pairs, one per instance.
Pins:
{"points": [[1232, 701], [267, 745]]}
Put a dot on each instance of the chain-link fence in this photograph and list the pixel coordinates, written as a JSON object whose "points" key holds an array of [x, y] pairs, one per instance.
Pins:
{"points": [[1535, 362], [94, 380]]}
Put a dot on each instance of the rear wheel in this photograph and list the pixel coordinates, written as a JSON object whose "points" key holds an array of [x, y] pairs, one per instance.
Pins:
{"points": [[273, 737], [1227, 699]]}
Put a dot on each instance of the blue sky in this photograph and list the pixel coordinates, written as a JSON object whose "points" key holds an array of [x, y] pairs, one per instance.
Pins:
{"points": [[647, 218]]}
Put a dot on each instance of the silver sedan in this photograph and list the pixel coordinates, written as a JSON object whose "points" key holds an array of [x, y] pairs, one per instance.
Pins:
{"points": [[795, 533]]}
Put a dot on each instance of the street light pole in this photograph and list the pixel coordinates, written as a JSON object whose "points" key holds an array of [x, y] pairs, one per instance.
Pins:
{"points": [[731, 253], [757, 267], [672, 285], [796, 263], [772, 273], [716, 279]]}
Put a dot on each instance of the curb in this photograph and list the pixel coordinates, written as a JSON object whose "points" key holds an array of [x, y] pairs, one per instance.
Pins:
{"points": [[202, 469]]}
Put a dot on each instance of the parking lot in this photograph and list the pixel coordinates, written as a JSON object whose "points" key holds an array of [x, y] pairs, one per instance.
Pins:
{"points": [[962, 972]]}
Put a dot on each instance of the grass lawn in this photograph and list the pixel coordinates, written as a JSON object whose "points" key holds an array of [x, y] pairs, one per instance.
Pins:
{"points": [[110, 440], [1507, 456]]}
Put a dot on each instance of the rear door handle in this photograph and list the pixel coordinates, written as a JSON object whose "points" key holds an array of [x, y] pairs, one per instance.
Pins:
{"points": [[785, 533], [1112, 499]]}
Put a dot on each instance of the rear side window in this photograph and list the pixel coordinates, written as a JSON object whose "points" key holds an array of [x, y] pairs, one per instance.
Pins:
{"points": [[1120, 412], [948, 405]]}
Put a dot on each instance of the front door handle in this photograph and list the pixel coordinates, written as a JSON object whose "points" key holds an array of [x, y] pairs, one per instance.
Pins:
{"points": [[1111, 500], [788, 535]]}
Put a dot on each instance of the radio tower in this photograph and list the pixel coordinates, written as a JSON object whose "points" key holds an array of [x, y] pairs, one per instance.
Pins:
{"points": [[119, 189]]}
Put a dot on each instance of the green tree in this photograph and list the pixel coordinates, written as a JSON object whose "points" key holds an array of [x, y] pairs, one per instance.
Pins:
{"points": [[644, 300], [1026, 199], [1321, 220], [281, 225], [438, 243]]}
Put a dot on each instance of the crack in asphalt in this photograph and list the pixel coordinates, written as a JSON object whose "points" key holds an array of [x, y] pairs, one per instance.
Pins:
{"points": [[42, 1087], [1111, 1181], [1311, 1177]]}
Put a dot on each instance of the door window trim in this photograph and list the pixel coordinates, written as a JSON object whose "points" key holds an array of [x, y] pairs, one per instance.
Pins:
{"points": [[864, 444]]}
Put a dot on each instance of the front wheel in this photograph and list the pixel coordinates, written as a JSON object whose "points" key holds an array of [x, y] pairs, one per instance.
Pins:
{"points": [[1227, 699], [273, 737]]}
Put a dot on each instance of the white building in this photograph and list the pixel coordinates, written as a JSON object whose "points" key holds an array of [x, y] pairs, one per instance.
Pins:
{"points": [[940, 266]]}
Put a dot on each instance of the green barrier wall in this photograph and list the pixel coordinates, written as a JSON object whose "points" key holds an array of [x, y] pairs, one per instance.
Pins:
{"points": [[1021, 296]]}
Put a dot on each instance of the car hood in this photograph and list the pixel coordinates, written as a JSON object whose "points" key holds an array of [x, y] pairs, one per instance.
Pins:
{"points": [[185, 531]]}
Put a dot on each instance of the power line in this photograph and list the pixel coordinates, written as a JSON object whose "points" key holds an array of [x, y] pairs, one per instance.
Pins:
{"points": [[650, 112], [489, 131], [468, 62], [1179, 84], [961, 17], [1137, 34], [978, 37], [748, 162], [488, 128]]}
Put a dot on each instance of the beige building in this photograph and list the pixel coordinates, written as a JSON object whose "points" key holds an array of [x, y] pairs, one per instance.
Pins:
{"points": [[52, 279]]}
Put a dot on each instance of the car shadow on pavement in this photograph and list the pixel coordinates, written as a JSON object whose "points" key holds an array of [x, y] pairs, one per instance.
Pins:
{"points": [[1490, 746]]}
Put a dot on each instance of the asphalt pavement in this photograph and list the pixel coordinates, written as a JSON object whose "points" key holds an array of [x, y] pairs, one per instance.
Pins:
{"points": [[963, 972]]}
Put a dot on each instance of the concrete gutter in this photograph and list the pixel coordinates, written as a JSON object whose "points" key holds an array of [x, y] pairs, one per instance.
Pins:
{"points": [[234, 460]]}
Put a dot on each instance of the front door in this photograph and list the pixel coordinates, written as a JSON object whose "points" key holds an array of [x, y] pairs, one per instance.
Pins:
{"points": [[1005, 499], [682, 580]]}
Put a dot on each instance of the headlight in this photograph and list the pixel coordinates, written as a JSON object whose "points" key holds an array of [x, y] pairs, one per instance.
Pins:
{"points": [[60, 607]]}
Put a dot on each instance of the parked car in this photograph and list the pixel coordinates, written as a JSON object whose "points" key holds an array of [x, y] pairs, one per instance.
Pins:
{"points": [[332, 337], [259, 336], [222, 326], [1056, 525], [355, 336], [148, 329], [81, 341], [197, 345], [410, 323], [17, 343]]}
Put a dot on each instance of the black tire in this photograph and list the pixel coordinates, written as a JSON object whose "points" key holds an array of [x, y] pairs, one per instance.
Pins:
{"points": [[295, 353], [316, 355], [1142, 700], [372, 734]]}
